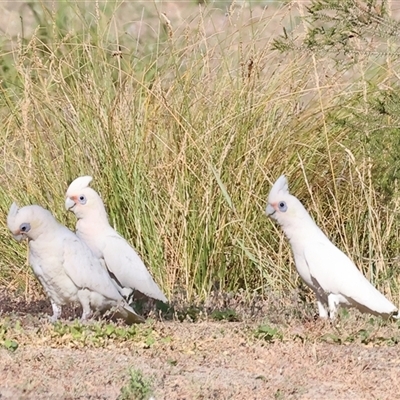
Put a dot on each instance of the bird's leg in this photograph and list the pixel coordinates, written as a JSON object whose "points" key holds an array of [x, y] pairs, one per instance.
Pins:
{"points": [[333, 302], [321, 303], [56, 312], [323, 313], [128, 295], [84, 299]]}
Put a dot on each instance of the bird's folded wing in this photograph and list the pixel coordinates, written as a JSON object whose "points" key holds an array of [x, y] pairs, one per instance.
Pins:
{"points": [[337, 274], [334, 271], [123, 261], [85, 270]]}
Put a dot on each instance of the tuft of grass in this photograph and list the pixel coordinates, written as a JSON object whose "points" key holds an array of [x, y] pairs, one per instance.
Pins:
{"points": [[11, 345], [268, 333], [74, 334], [225, 315], [6, 337], [137, 388], [185, 122]]}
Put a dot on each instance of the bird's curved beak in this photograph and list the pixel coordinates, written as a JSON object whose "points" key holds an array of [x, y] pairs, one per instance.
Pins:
{"points": [[19, 237], [270, 210], [69, 203]]}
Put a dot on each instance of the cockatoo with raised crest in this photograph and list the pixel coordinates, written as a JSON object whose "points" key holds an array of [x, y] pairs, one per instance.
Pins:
{"points": [[65, 266], [323, 267], [121, 260]]}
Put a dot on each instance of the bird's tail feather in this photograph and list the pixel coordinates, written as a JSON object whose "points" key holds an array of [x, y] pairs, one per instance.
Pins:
{"points": [[129, 315], [396, 315]]}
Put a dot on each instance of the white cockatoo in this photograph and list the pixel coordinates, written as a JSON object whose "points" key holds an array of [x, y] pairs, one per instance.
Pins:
{"points": [[121, 260], [324, 268], [65, 266]]}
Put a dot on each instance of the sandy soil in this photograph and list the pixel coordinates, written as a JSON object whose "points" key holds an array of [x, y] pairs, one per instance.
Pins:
{"points": [[200, 360], [203, 363]]}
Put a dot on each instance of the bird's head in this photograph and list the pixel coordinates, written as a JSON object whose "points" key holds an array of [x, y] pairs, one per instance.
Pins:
{"points": [[282, 206], [29, 222], [82, 200]]}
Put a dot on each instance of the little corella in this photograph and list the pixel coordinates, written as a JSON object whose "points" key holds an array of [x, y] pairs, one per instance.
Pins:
{"points": [[324, 268]]}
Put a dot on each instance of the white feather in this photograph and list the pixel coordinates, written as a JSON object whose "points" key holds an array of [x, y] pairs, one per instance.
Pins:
{"points": [[64, 265], [121, 260], [80, 183], [324, 268]]}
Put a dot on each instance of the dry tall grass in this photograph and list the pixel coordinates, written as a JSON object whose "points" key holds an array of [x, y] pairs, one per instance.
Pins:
{"points": [[185, 120]]}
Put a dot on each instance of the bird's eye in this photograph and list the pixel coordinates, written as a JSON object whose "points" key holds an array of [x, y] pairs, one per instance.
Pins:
{"points": [[282, 206], [82, 199], [25, 227]]}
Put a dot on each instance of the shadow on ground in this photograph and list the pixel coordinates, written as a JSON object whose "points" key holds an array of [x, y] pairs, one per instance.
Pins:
{"points": [[218, 307], [12, 304]]}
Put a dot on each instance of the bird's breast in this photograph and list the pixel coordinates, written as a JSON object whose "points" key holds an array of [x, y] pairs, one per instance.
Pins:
{"points": [[91, 240], [49, 270]]}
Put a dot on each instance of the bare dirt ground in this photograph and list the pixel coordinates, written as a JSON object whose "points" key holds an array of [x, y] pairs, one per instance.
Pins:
{"points": [[206, 364], [206, 359]]}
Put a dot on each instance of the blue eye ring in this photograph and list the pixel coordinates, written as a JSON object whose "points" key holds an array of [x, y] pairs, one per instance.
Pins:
{"points": [[282, 206], [25, 227], [82, 199]]}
